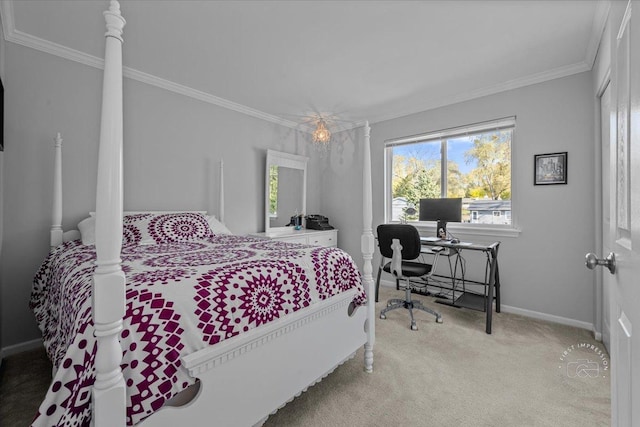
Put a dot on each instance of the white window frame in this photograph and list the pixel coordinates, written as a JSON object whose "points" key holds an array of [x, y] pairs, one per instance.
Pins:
{"points": [[498, 230]]}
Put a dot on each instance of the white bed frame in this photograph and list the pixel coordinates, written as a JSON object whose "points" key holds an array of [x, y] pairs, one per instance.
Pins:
{"points": [[243, 379]]}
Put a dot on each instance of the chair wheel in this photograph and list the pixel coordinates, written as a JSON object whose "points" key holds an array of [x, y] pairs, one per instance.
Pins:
{"points": [[382, 316], [438, 319], [414, 327]]}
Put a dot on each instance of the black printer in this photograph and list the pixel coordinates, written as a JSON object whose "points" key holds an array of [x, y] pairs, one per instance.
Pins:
{"points": [[318, 222]]}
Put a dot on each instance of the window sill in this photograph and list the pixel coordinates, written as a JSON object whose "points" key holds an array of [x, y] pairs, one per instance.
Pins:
{"points": [[470, 230]]}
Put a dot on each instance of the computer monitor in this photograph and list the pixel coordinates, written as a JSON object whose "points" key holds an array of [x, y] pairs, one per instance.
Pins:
{"points": [[442, 210]]}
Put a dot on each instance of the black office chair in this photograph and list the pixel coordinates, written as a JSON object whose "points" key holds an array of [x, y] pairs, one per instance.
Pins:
{"points": [[400, 243]]}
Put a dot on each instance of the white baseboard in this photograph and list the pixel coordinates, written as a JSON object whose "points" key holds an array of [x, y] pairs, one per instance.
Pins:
{"points": [[533, 314], [19, 348], [548, 317]]}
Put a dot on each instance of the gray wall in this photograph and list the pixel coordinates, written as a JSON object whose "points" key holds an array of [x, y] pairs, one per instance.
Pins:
{"points": [[341, 196], [542, 269], [173, 144], [172, 148]]}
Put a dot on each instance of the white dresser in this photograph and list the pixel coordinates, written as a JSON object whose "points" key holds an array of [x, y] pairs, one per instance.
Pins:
{"points": [[308, 237]]}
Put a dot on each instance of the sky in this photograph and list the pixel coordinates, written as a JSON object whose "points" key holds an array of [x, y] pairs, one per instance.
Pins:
{"points": [[456, 150]]}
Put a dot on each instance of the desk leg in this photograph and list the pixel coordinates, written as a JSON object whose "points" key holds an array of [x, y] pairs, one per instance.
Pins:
{"points": [[488, 307], [492, 283], [378, 282], [497, 286]]}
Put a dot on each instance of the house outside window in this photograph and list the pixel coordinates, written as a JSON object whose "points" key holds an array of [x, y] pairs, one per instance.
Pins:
{"points": [[471, 162], [491, 211]]}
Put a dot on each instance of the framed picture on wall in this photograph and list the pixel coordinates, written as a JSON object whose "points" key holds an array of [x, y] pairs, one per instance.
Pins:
{"points": [[550, 168]]}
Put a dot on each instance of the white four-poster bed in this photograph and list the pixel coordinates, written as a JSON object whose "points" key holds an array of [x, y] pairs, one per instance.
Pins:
{"points": [[240, 380]]}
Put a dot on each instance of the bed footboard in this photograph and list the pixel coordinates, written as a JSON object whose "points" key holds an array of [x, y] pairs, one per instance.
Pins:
{"points": [[248, 377]]}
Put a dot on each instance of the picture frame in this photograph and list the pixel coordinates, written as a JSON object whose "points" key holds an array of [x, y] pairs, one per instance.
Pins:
{"points": [[550, 168]]}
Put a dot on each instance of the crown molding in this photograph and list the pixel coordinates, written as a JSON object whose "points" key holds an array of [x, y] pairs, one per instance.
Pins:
{"points": [[492, 90], [18, 37], [597, 30], [207, 97], [6, 17], [13, 35]]}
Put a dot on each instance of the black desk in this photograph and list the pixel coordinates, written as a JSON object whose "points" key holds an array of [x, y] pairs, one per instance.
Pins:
{"points": [[472, 300]]}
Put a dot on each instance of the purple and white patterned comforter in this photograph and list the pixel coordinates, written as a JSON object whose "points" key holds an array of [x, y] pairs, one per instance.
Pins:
{"points": [[180, 297]]}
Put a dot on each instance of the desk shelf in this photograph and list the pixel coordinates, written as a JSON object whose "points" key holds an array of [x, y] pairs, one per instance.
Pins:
{"points": [[467, 300]]}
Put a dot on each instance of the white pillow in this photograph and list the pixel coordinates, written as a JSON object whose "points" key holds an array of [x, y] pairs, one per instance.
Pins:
{"points": [[216, 226], [87, 229]]}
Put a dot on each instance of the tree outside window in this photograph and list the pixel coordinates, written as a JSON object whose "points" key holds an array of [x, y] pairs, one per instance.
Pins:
{"points": [[473, 166]]}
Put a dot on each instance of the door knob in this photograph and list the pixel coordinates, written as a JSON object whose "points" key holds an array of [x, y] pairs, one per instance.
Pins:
{"points": [[591, 261]]}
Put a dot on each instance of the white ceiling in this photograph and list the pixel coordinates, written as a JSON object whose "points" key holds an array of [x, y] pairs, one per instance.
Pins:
{"points": [[353, 60]]}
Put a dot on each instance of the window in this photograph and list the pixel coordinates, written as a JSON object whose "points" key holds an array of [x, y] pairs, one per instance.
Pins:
{"points": [[472, 162]]}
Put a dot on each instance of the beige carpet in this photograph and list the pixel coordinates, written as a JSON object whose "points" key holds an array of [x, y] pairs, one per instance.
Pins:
{"points": [[453, 374], [450, 374]]}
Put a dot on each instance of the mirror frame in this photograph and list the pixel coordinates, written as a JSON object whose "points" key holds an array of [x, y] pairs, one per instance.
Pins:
{"points": [[293, 161]]}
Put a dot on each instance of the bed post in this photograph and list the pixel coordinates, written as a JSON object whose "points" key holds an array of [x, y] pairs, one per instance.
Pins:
{"points": [[108, 293], [221, 193], [56, 219], [367, 245]]}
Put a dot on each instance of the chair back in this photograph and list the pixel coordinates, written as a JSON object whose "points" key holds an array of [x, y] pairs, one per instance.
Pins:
{"points": [[407, 235]]}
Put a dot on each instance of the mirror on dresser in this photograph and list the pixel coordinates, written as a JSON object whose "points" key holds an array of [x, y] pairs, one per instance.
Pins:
{"points": [[285, 190]]}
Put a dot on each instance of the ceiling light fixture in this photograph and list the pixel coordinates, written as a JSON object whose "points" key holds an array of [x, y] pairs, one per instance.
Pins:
{"points": [[321, 134]]}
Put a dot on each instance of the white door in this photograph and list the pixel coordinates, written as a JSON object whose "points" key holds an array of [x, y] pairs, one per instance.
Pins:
{"points": [[624, 230], [607, 127]]}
